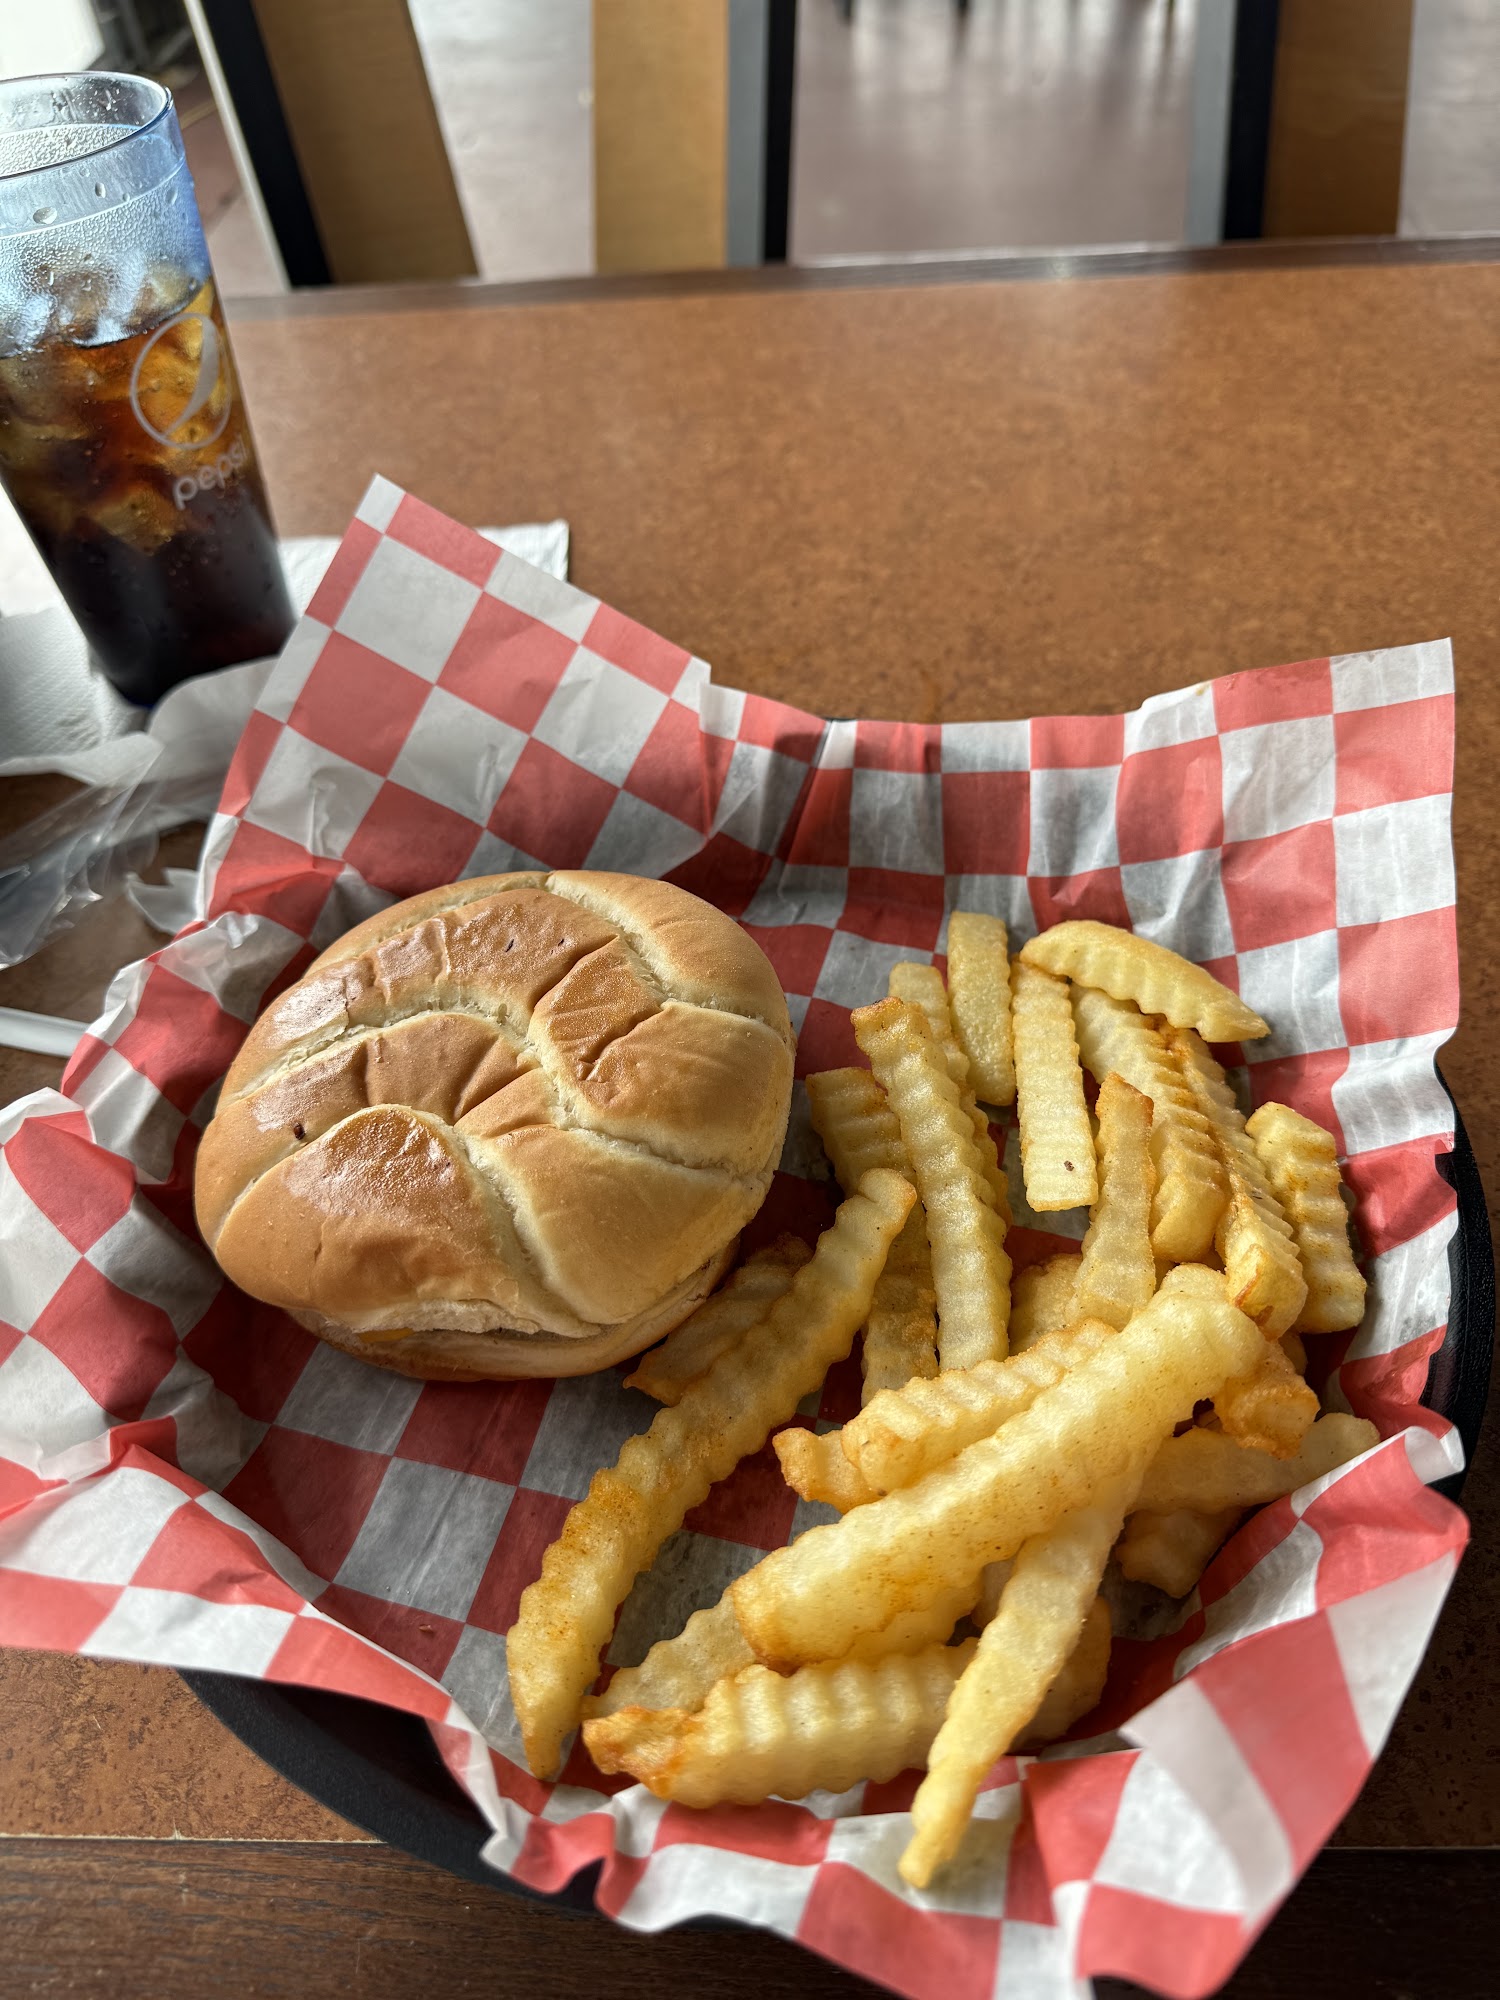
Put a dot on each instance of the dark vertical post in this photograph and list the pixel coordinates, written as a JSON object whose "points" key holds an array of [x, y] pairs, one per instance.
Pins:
{"points": [[257, 106], [1251, 86], [781, 84]]}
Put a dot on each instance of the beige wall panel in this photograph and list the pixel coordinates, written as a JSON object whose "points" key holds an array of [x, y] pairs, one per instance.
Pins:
{"points": [[367, 137], [1338, 118], [660, 109]]}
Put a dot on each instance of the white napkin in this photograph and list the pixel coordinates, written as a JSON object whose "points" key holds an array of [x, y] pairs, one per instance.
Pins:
{"points": [[58, 713]]}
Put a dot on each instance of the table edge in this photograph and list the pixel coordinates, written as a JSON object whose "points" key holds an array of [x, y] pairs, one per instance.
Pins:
{"points": [[877, 274]]}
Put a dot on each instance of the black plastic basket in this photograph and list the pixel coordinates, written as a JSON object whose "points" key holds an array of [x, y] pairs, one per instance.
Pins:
{"points": [[380, 1768]]}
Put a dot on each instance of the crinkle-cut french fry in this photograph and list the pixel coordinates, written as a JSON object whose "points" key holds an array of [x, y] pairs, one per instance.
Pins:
{"points": [[923, 1625], [859, 1130], [1057, 1142], [966, 1237], [922, 986], [811, 1601], [979, 999], [719, 1322], [1159, 981], [1191, 1189], [989, 1159], [1271, 1409], [1020, 1654], [1295, 1349], [1194, 1281], [1209, 1470], [567, 1614], [678, 1672], [900, 1339], [1302, 1164], [1261, 1266], [992, 1581], [1173, 1550], [815, 1468], [1079, 1688], [760, 1734], [1041, 1299], [1118, 1270], [899, 1437]]}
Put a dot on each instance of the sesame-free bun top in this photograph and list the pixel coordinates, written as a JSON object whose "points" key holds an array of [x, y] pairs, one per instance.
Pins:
{"points": [[509, 1127]]}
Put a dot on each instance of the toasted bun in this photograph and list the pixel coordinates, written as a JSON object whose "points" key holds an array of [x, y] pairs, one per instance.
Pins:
{"points": [[521, 1119]]}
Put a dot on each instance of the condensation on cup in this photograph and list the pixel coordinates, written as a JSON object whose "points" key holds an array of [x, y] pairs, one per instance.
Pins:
{"points": [[124, 442]]}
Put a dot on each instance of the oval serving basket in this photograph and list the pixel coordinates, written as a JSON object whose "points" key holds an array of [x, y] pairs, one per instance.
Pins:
{"points": [[379, 1768]]}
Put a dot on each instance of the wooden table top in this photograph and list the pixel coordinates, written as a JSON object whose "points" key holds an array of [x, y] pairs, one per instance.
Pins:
{"points": [[977, 496]]}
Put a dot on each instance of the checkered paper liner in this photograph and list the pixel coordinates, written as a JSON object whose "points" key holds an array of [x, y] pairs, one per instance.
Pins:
{"points": [[186, 1477]]}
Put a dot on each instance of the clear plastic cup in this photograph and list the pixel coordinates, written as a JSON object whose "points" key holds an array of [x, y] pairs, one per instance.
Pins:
{"points": [[124, 442]]}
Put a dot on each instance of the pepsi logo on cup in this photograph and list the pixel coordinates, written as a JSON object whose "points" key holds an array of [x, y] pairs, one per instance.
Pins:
{"points": [[182, 393], [180, 388]]}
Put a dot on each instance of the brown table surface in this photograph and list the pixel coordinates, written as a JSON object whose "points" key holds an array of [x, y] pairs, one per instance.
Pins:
{"points": [[959, 495]]}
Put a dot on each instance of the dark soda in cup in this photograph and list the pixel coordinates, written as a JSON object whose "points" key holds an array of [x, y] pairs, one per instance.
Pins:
{"points": [[123, 437]]}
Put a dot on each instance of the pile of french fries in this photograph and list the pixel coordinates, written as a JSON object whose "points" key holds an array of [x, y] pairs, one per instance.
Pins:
{"points": [[1132, 1398]]}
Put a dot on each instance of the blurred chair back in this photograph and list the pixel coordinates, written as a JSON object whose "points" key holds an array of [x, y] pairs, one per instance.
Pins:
{"points": [[338, 126], [692, 132]]}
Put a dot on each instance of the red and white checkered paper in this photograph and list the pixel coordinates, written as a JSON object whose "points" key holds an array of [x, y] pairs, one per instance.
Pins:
{"points": [[186, 1477]]}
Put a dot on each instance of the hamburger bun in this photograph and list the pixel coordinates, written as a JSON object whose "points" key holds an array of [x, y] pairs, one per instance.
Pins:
{"points": [[509, 1127]]}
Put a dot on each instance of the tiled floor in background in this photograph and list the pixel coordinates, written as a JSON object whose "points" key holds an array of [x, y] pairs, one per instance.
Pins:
{"points": [[918, 129], [1450, 178], [1018, 122]]}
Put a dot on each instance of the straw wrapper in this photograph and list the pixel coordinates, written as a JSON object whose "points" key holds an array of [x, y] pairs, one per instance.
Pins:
{"points": [[186, 1477]]}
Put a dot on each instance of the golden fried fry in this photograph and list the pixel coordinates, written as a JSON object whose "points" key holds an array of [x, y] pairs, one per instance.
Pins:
{"points": [[923, 1625], [1041, 1299], [859, 1130], [719, 1322], [900, 1339], [1021, 1653], [815, 1468], [1057, 1144], [1261, 1265], [1118, 1271], [902, 1435], [992, 1581], [760, 1734], [979, 997], [922, 986], [1209, 1471], [679, 1672], [812, 1600], [1173, 1550], [1301, 1163], [1194, 1281], [1079, 1688], [1271, 1409], [970, 1268], [1156, 979], [1190, 1183], [567, 1614]]}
